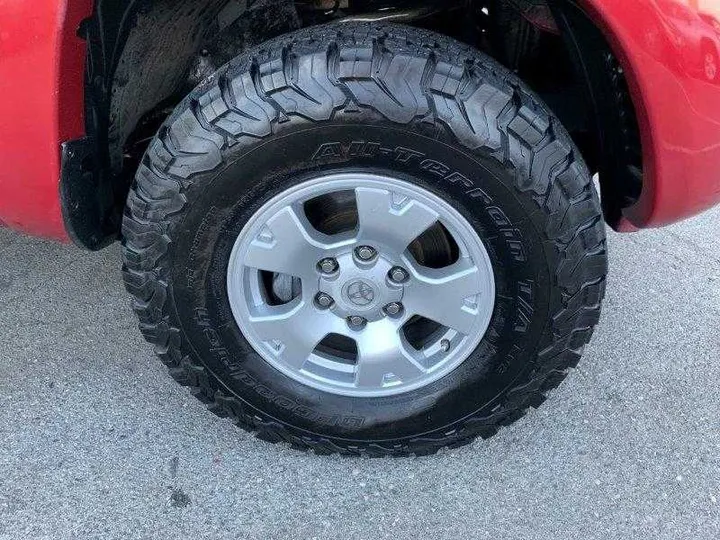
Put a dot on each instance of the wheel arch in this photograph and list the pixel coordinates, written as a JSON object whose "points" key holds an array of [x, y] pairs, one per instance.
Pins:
{"points": [[678, 144], [143, 54], [614, 102]]}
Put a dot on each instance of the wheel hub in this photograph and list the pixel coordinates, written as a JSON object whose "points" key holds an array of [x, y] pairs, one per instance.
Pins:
{"points": [[360, 288]]}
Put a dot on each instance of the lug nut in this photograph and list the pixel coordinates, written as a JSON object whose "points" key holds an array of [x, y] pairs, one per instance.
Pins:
{"points": [[328, 266], [356, 322], [394, 308], [398, 275], [365, 253], [324, 300]]}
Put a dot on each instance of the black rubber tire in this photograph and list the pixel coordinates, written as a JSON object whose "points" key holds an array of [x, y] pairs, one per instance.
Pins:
{"points": [[367, 97]]}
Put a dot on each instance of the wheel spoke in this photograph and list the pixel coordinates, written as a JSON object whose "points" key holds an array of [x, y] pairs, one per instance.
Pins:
{"points": [[292, 331], [449, 296], [391, 220], [287, 244], [383, 357]]}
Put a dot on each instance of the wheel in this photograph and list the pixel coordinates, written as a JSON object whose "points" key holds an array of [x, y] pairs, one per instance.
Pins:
{"points": [[365, 239]]}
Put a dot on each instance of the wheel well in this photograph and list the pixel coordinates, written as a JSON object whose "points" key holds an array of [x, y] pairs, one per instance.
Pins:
{"points": [[614, 147], [144, 56]]}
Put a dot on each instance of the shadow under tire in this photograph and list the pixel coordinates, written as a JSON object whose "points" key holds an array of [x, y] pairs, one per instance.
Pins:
{"points": [[385, 100]]}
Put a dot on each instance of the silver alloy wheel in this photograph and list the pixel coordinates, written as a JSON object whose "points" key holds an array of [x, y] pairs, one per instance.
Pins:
{"points": [[391, 213]]}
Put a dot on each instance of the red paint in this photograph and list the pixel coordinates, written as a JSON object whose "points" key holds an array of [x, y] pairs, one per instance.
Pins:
{"points": [[662, 46], [41, 83], [665, 47]]}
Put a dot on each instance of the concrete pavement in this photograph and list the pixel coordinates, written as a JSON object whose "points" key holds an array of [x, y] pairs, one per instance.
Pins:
{"points": [[96, 441]]}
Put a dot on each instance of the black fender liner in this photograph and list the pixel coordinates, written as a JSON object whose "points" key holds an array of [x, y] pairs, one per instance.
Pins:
{"points": [[614, 127]]}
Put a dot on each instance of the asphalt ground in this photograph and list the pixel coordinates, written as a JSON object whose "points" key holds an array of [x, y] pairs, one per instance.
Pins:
{"points": [[96, 441]]}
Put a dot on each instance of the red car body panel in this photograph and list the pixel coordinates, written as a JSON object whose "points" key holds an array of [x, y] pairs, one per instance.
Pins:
{"points": [[42, 63], [660, 43], [678, 107]]}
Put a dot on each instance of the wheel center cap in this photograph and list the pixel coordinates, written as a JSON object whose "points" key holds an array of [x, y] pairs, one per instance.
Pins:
{"points": [[360, 293], [361, 289]]}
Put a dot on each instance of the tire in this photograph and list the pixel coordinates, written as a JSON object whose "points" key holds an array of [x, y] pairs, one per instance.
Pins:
{"points": [[384, 100]]}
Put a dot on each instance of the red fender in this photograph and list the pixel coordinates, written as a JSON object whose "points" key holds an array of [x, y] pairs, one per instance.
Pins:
{"points": [[660, 46], [42, 63]]}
